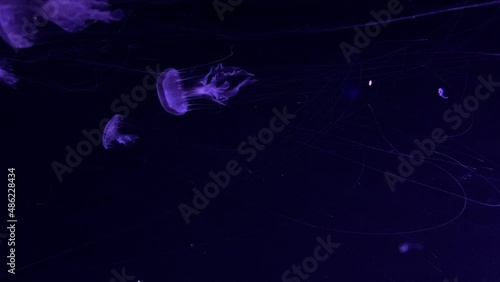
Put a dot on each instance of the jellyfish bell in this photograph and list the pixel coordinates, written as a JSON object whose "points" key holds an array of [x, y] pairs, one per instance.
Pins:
{"points": [[14, 15], [220, 84], [114, 136], [170, 92]]}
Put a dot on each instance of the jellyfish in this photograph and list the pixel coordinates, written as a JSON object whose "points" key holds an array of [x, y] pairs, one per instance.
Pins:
{"points": [[175, 95], [74, 15], [20, 20], [13, 17], [6, 75], [113, 135]]}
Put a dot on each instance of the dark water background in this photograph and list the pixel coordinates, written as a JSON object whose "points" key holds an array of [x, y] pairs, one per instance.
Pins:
{"points": [[322, 176]]}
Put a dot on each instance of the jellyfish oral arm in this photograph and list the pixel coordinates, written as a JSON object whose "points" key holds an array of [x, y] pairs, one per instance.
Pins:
{"points": [[220, 94], [75, 15], [6, 75], [219, 76], [127, 139], [220, 73]]}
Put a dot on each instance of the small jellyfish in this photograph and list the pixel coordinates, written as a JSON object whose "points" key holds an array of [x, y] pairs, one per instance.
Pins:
{"points": [[405, 247], [113, 135], [174, 94], [441, 93], [74, 15], [6, 75]]}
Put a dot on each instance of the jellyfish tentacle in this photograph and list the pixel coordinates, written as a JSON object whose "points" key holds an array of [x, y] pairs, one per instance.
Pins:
{"points": [[6, 75], [75, 15]]}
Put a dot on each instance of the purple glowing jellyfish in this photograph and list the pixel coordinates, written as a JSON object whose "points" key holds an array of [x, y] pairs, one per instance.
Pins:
{"points": [[113, 136], [13, 16], [174, 95], [20, 20], [74, 15]]}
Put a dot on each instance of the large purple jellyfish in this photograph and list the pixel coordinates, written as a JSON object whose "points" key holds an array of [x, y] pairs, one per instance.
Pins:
{"points": [[13, 15], [20, 20], [113, 135], [174, 95], [74, 15]]}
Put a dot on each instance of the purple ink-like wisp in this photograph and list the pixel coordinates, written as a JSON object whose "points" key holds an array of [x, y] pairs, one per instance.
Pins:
{"points": [[20, 20], [74, 15]]}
